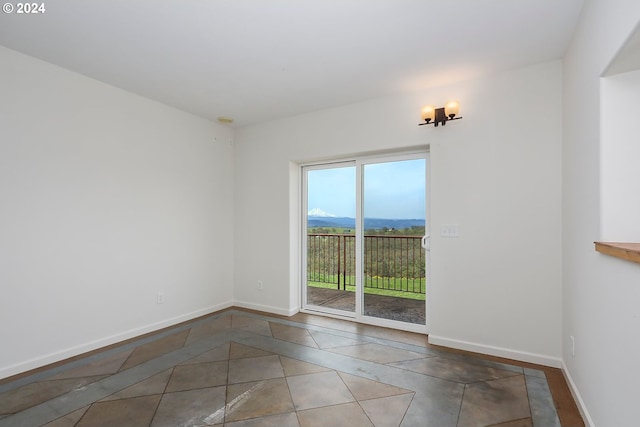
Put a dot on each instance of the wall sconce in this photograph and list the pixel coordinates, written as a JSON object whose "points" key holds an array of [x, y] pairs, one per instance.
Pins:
{"points": [[435, 116]]}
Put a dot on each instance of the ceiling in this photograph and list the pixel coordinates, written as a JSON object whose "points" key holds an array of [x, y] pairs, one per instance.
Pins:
{"points": [[258, 60], [628, 58]]}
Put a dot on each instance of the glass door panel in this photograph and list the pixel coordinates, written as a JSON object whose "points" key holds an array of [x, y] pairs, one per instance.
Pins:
{"points": [[394, 212], [330, 238]]}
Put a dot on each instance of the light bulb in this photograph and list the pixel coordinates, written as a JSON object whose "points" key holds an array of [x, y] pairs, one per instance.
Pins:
{"points": [[451, 109], [428, 113]]}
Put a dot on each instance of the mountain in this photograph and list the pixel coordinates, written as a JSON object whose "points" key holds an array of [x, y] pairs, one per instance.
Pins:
{"points": [[337, 222], [369, 223], [317, 212]]}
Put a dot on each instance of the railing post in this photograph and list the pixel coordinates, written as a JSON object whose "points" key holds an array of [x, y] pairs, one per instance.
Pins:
{"points": [[344, 262], [339, 262]]}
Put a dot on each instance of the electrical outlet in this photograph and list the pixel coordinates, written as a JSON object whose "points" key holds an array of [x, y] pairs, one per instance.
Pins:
{"points": [[260, 285], [160, 299], [573, 346]]}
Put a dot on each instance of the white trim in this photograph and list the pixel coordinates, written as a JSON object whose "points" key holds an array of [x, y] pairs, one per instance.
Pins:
{"points": [[522, 356], [295, 242], [368, 156], [393, 324], [60, 355], [368, 320], [301, 237], [359, 247], [586, 417], [267, 308], [334, 314], [320, 310], [427, 255]]}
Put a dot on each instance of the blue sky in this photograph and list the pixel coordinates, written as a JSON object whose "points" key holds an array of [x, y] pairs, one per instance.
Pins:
{"points": [[393, 190]]}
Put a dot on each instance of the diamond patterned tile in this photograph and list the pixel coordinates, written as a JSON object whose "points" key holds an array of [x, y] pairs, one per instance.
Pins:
{"points": [[363, 389], [69, 420], [281, 420], [154, 385], [437, 406], [387, 411], [316, 390], [33, 394], [325, 340], [202, 375], [193, 407], [349, 414], [216, 355], [240, 351], [208, 328], [492, 402], [137, 411], [258, 399], [249, 324], [156, 348], [377, 353], [292, 334], [254, 369], [103, 366], [296, 367], [454, 370]]}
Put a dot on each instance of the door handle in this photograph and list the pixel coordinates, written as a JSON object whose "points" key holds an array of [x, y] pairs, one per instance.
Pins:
{"points": [[426, 243]]}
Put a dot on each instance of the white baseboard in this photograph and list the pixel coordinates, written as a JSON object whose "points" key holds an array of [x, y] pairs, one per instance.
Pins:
{"points": [[267, 308], [57, 356], [522, 356], [577, 397]]}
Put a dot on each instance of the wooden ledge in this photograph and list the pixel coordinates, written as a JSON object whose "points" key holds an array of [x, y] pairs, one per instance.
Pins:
{"points": [[626, 251]]}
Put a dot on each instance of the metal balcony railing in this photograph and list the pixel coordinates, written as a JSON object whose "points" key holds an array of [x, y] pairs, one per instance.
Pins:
{"points": [[394, 263]]}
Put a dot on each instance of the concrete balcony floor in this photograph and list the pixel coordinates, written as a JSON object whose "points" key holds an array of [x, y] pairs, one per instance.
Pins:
{"points": [[386, 307]]}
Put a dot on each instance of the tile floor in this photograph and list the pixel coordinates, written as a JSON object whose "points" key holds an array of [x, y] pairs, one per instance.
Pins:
{"points": [[241, 369]]}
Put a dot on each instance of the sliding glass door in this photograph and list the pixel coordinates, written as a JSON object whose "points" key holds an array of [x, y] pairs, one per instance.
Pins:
{"points": [[330, 207], [364, 231], [393, 261]]}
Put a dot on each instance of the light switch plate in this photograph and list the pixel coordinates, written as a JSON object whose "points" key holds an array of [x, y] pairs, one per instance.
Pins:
{"points": [[449, 230]]}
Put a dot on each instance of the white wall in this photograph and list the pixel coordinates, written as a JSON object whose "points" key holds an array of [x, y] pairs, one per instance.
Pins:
{"points": [[106, 198], [601, 294], [619, 154], [496, 173]]}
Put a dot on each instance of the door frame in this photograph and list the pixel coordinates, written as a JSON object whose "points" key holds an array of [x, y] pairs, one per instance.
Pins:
{"points": [[359, 162]]}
